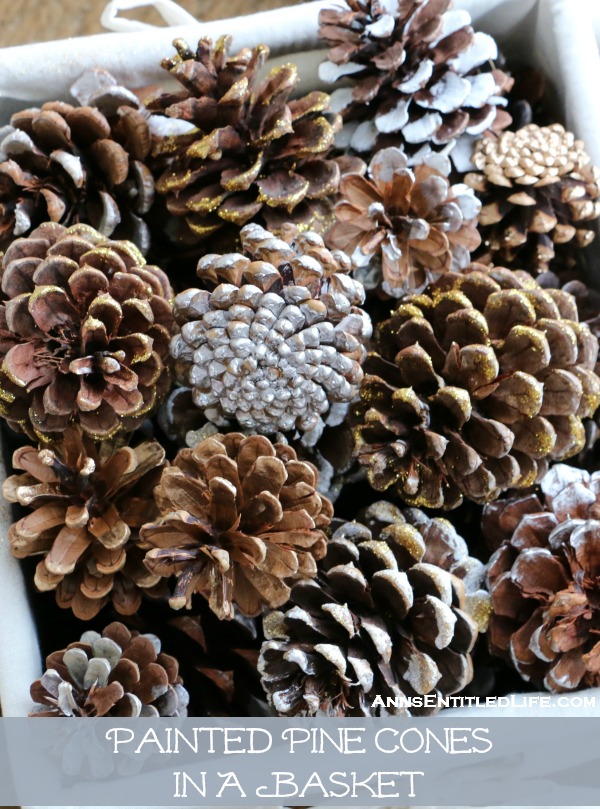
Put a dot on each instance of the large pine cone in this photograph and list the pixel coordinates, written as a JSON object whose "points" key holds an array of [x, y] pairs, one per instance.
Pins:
{"points": [[239, 517], [385, 617], [252, 152], [417, 71], [540, 197], [479, 382], [72, 164], [278, 344], [543, 581], [118, 673], [87, 504], [411, 223], [84, 333]]}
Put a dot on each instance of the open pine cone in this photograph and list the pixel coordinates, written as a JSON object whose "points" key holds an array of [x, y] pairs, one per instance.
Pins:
{"points": [[543, 581], [239, 518], [119, 673], [540, 195], [385, 617], [410, 222], [278, 344], [251, 152], [85, 327], [72, 164], [87, 504], [479, 382], [417, 71]]}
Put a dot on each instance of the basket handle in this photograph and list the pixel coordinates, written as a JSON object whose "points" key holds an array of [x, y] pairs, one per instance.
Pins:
{"points": [[171, 12]]}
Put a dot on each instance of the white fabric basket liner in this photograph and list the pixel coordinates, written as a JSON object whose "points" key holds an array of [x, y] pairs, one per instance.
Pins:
{"points": [[558, 36]]}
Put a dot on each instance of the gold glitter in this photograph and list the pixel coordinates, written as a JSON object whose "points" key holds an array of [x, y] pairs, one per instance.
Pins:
{"points": [[205, 205], [243, 181], [479, 607]]}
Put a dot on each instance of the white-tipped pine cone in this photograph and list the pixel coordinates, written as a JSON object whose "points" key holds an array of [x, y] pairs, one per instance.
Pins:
{"points": [[278, 345]]}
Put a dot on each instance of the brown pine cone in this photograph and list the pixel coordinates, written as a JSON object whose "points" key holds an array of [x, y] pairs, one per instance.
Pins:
{"points": [[417, 70], [479, 382], [540, 197], [252, 152], [72, 164], [87, 503], [543, 581], [411, 223], [119, 673], [239, 517], [278, 344], [385, 617], [84, 333]]}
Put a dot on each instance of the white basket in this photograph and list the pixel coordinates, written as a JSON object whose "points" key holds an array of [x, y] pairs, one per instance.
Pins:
{"points": [[555, 35]]}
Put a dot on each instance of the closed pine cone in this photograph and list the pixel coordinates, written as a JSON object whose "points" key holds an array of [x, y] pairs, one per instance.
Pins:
{"points": [[72, 164], [479, 383], [251, 151], [540, 196], [411, 223], [87, 504], [278, 344], [119, 673], [85, 327], [543, 581], [385, 617], [417, 71], [239, 518]]}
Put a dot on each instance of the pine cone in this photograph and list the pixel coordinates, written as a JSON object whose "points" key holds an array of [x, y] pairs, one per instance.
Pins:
{"points": [[238, 518], [412, 223], [279, 343], [479, 382], [72, 164], [386, 616], [252, 152], [544, 581], [118, 673], [418, 71], [87, 504], [84, 333], [540, 196]]}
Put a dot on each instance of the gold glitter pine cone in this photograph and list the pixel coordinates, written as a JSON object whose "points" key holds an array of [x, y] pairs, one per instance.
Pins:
{"points": [[85, 327], [475, 386], [250, 152]]}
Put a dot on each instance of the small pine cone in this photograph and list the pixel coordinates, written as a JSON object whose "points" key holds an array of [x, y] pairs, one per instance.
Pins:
{"points": [[85, 331], [119, 673], [72, 164], [543, 581], [385, 617], [411, 222], [87, 503], [417, 71], [540, 197], [239, 517], [252, 151], [479, 382], [278, 344]]}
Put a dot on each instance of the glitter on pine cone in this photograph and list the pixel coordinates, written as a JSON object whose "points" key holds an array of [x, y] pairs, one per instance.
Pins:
{"points": [[278, 344], [540, 195], [240, 517], [118, 673], [543, 581], [73, 164], [386, 616], [251, 152], [410, 222], [476, 385], [417, 72], [86, 506], [85, 327]]}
